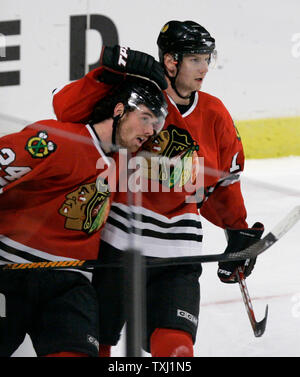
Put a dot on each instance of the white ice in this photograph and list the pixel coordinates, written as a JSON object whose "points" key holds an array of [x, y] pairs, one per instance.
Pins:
{"points": [[271, 189]]}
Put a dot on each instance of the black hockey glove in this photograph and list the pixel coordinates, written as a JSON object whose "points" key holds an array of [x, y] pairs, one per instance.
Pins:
{"points": [[125, 60], [239, 239]]}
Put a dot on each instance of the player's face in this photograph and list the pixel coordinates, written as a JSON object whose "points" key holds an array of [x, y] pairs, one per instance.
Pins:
{"points": [[135, 128], [192, 72]]}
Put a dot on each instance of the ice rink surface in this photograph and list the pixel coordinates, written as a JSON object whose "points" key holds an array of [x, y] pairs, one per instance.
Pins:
{"points": [[271, 189]]}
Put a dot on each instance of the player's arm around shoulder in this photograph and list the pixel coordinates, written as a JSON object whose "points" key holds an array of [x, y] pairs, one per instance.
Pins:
{"points": [[75, 101]]}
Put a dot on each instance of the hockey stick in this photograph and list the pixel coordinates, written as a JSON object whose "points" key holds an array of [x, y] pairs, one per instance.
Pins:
{"points": [[250, 252], [258, 327], [278, 232]]}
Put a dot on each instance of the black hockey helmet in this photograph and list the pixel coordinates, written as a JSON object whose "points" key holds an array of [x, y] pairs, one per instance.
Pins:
{"points": [[132, 92], [146, 92], [184, 37]]}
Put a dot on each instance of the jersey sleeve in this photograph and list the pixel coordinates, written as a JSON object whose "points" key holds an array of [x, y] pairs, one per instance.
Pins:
{"points": [[224, 205], [75, 101]]}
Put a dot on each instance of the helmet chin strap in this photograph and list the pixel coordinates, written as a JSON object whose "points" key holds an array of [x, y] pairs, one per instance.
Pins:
{"points": [[116, 123], [114, 128], [173, 80], [173, 83]]}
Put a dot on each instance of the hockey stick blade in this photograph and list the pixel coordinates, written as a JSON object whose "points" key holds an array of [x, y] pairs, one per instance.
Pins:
{"points": [[250, 252], [258, 327]]}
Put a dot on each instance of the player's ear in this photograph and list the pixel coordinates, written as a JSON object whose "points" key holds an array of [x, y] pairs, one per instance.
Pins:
{"points": [[119, 109], [170, 64]]}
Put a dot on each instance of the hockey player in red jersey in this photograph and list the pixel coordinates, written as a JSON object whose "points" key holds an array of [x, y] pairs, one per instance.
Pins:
{"points": [[54, 200], [197, 123]]}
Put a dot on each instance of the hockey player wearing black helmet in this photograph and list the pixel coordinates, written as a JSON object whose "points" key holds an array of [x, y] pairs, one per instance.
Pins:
{"points": [[199, 125], [138, 110], [185, 50], [60, 313]]}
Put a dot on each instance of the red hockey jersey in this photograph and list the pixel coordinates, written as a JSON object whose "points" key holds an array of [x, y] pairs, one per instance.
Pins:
{"points": [[52, 201], [166, 224]]}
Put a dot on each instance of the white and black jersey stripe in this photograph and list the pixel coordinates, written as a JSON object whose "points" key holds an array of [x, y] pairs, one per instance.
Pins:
{"points": [[156, 235], [15, 252], [228, 180]]}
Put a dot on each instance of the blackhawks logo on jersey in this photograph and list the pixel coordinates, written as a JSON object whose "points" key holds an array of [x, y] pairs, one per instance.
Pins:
{"points": [[86, 208], [176, 153], [39, 146]]}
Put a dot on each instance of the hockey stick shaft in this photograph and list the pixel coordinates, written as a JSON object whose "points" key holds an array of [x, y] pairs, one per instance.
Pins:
{"points": [[250, 252]]}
